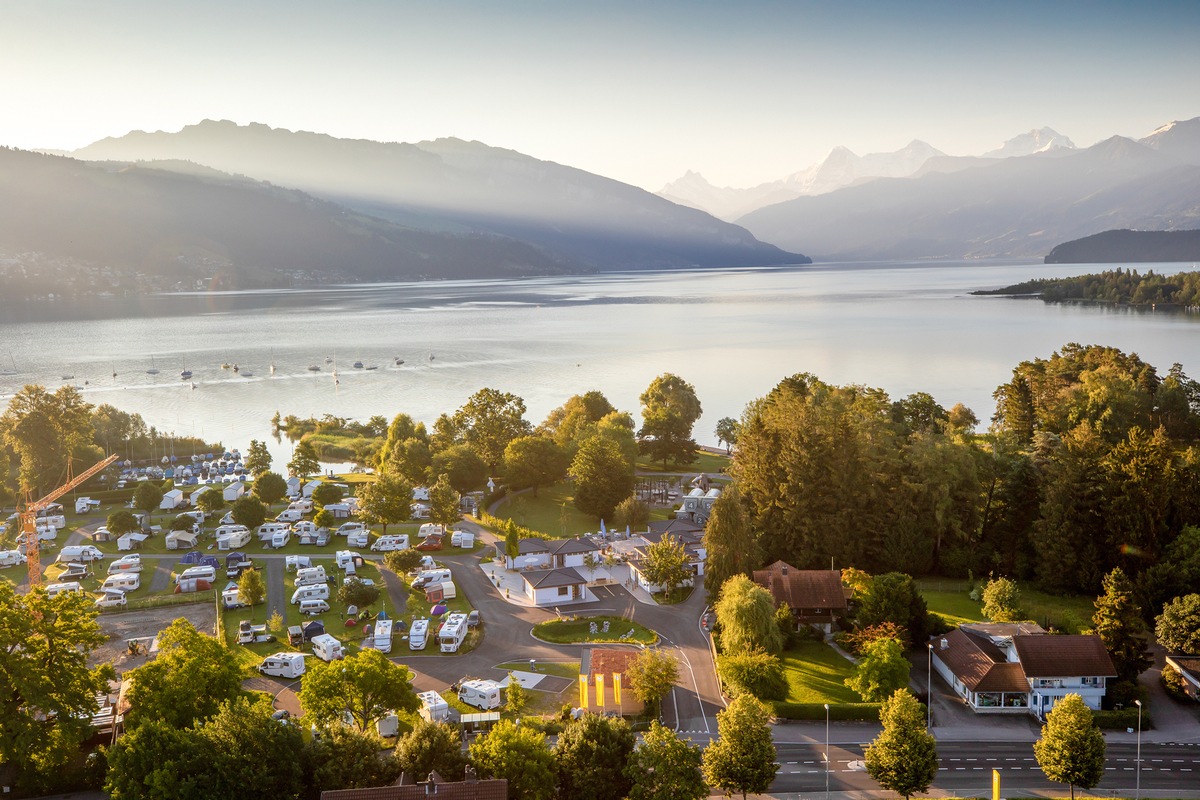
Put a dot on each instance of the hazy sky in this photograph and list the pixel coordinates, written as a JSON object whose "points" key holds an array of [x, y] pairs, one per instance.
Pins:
{"points": [[743, 92]]}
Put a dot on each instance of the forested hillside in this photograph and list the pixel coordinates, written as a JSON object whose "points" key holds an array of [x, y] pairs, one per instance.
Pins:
{"points": [[1128, 287]]}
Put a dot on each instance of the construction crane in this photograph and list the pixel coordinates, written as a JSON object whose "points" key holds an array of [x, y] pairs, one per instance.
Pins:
{"points": [[30, 512]]}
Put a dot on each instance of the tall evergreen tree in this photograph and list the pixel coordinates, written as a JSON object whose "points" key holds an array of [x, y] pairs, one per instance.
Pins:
{"points": [[1119, 624], [729, 542]]}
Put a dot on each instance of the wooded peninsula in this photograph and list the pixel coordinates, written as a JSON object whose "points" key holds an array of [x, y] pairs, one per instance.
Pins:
{"points": [[1114, 287]]}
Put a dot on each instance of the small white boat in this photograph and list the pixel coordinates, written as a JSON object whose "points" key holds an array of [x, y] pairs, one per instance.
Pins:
{"points": [[272, 367], [368, 369], [399, 361], [247, 373], [328, 359]]}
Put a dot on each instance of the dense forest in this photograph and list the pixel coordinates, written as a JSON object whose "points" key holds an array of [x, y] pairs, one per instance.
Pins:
{"points": [[1091, 462], [1119, 286]]}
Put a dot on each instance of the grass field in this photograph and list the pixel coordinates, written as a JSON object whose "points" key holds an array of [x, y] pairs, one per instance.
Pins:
{"points": [[1068, 613], [710, 463], [578, 631], [552, 512], [816, 673], [561, 669]]}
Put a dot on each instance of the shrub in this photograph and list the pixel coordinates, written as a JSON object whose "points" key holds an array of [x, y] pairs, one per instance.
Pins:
{"points": [[1172, 681], [757, 674], [837, 711], [1121, 720]]}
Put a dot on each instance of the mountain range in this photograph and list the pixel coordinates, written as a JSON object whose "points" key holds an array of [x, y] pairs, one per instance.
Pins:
{"points": [[572, 219], [843, 168], [1020, 206]]}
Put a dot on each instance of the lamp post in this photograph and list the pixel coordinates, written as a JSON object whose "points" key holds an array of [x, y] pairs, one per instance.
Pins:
{"points": [[827, 751], [929, 689], [1138, 761]]}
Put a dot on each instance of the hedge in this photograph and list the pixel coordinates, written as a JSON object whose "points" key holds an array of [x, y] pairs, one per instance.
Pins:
{"points": [[1120, 720], [837, 711], [499, 525]]}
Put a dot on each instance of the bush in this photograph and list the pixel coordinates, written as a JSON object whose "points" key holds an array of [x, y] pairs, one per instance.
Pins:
{"points": [[1172, 681], [1121, 720], [837, 711], [757, 674]]}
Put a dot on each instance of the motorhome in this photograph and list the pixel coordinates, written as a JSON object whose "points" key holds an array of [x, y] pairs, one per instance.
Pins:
{"points": [[281, 539], [313, 607], [205, 573], [236, 564], [231, 537], [73, 570], [327, 648], [417, 634], [347, 528], [80, 552], [317, 592], [382, 636], [268, 530], [358, 539], [452, 633], [252, 634], [481, 694], [122, 582], [431, 576], [440, 592], [390, 542], [283, 665], [111, 600], [230, 597], [311, 576], [129, 563], [462, 539], [55, 589], [11, 558], [434, 707]]}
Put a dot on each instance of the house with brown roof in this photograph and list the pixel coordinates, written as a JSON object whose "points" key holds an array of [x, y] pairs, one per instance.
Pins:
{"points": [[1189, 668], [1019, 668], [815, 596], [607, 662], [405, 788]]}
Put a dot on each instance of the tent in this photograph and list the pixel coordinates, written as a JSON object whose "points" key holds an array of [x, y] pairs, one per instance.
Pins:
{"points": [[209, 561], [312, 629], [233, 559], [191, 558]]}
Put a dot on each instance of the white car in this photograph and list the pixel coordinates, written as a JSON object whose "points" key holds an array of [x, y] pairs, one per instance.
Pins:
{"points": [[111, 600]]}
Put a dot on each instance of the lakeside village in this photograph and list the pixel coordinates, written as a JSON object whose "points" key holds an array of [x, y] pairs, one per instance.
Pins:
{"points": [[422, 626]]}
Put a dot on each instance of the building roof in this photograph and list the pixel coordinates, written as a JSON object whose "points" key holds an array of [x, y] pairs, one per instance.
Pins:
{"points": [[660, 526], [580, 545], [685, 536], [803, 589], [1188, 665], [1002, 630], [609, 660], [971, 658], [549, 579], [1045, 656], [530, 546]]}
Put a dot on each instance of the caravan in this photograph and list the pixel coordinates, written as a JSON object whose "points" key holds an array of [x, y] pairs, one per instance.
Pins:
{"points": [[11, 558], [481, 694], [267, 530], [283, 665], [231, 537], [382, 640], [122, 582], [129, 563], [431, 576], [440, 592], [434, 707], [390, 542], [281, 538], [452, 633], [55, 589], [417, 634], [80, 552], [311, 576], [318, 592], [197, 573], [462, 539]]}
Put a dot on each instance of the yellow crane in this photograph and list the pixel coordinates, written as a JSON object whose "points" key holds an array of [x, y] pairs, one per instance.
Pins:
{"points": [[29, 518]]}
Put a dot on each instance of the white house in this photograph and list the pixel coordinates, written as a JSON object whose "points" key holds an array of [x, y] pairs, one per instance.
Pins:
{"points": [[532, 554], [234, 491], [544, 554], [553, 587], [194, 497], [682, 532], [171, 500], [310, 487], [1189, 668], [1019, 668], [573, 552]]}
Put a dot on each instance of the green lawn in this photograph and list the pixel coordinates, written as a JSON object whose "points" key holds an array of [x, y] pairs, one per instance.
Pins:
{"points": [[552, 512], [578, 631], [1068, 613], [561, 669], [709, 463], [816, 673]]}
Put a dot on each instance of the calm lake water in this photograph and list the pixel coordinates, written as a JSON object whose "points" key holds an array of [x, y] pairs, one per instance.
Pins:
{"points": [[732, 333]]}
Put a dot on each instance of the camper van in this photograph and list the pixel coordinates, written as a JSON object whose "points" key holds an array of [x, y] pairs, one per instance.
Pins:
{"points": [[452, 633], [390, 542], [205, 573], [382, 640], [289, 515], [129, 563], [358, 539], [440, 592], [267, 530], [317, 592], [11, 558], [311, 576], [481, 694], [327, 648], [80, 552], [313, 607], [55, 589], [434, 707], [347, 528], [283, 665], [122, 582], [417, 634], [111, 600], [431, 576]]}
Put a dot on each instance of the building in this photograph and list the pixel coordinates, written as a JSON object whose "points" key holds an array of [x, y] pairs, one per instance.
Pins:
{"points": [[815, 596], [690, 536], [607, 662], [552, 587], [434, 786], [697, 505], [1189, 668], [536, 553], [1019, 668]]}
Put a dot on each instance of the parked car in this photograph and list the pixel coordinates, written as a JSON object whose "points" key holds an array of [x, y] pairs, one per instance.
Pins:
{"points": [[473, 619], [430, 543]]}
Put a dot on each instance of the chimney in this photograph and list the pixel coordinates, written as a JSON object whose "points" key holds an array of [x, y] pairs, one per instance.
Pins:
{"points": [[945, 643], [783, 570]]}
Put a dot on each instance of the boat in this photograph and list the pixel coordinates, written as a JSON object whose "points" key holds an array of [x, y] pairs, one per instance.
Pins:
{"points": [[328, 359], [193, 384], [68, 377], [368, 369], [314, 368], [272, 367], [358, 365], [399, 361], [153, 367], [236, 369], [247, 373], [431, 356], [186, 375], [226, 365]]}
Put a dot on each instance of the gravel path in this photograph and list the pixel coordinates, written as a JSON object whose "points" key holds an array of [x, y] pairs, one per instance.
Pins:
{"points": [[276, 590], [161, 580]]}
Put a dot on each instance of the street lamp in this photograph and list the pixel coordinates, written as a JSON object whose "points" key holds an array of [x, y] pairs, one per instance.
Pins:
{"points": [[827, 751], [1138, 760], [929, 689]]}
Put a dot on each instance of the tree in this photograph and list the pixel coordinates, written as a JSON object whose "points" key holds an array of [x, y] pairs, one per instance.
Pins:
{"points": [[249, 511], [591, 758], [881, 672], [324, 518], [512, 542], [252, 589], [365, 685], [489, 420], [304, 460], [666, 564], [1002, 601], [158, 761], [665, 767], [443, 502], [401, 429], [253, 755], [429, 747], [258, 459], [903, 758], [743, 757], [746, 614], [148, 497], [327, 494], [894, 597], [121, 522], [412, 458], [727, 432], [345, 758], [729, 542], [1118, 622], [402, 562], [581, 411], [210, 501], [461, 465], [386, 501], [603, 476], [516, 698], [755, 673], [1071, 749], [353, 592], [47, 690], [188, 681], [1178, 626], [631, 513], [520, 755], [669, 410], [534, 461], [45, 430], [270, 487], [181, 522], [652, 675]]}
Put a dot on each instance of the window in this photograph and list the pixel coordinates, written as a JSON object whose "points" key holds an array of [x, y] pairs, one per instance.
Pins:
{"points": [[563, 591]]}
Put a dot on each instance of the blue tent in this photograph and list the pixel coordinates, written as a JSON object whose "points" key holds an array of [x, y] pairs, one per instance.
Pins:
{"points": [[314, 628], [209, 561], [191, 558], [234, 558]]}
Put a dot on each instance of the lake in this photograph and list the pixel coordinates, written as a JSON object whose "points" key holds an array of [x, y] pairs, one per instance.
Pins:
{"points": [[733, 333]]}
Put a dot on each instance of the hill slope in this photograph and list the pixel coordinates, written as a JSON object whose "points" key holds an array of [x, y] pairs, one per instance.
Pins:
{"points": [[1129, 247]]}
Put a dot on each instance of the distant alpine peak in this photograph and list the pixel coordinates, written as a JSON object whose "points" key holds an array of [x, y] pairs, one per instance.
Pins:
{"points": [[1039, 140]]}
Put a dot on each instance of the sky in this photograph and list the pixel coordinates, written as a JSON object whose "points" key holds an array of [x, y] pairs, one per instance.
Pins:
{"points": [[742, 92]]}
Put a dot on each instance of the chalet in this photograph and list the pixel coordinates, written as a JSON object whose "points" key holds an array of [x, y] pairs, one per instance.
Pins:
{"points": [[607, 662], [573, 552], [546, 554], [1019, 668], [1189, 668], [815, 596], [552, 587], [686, 534]]}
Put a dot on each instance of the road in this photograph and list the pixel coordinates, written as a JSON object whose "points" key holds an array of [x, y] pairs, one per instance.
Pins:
{"points": [[965, 769]]}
